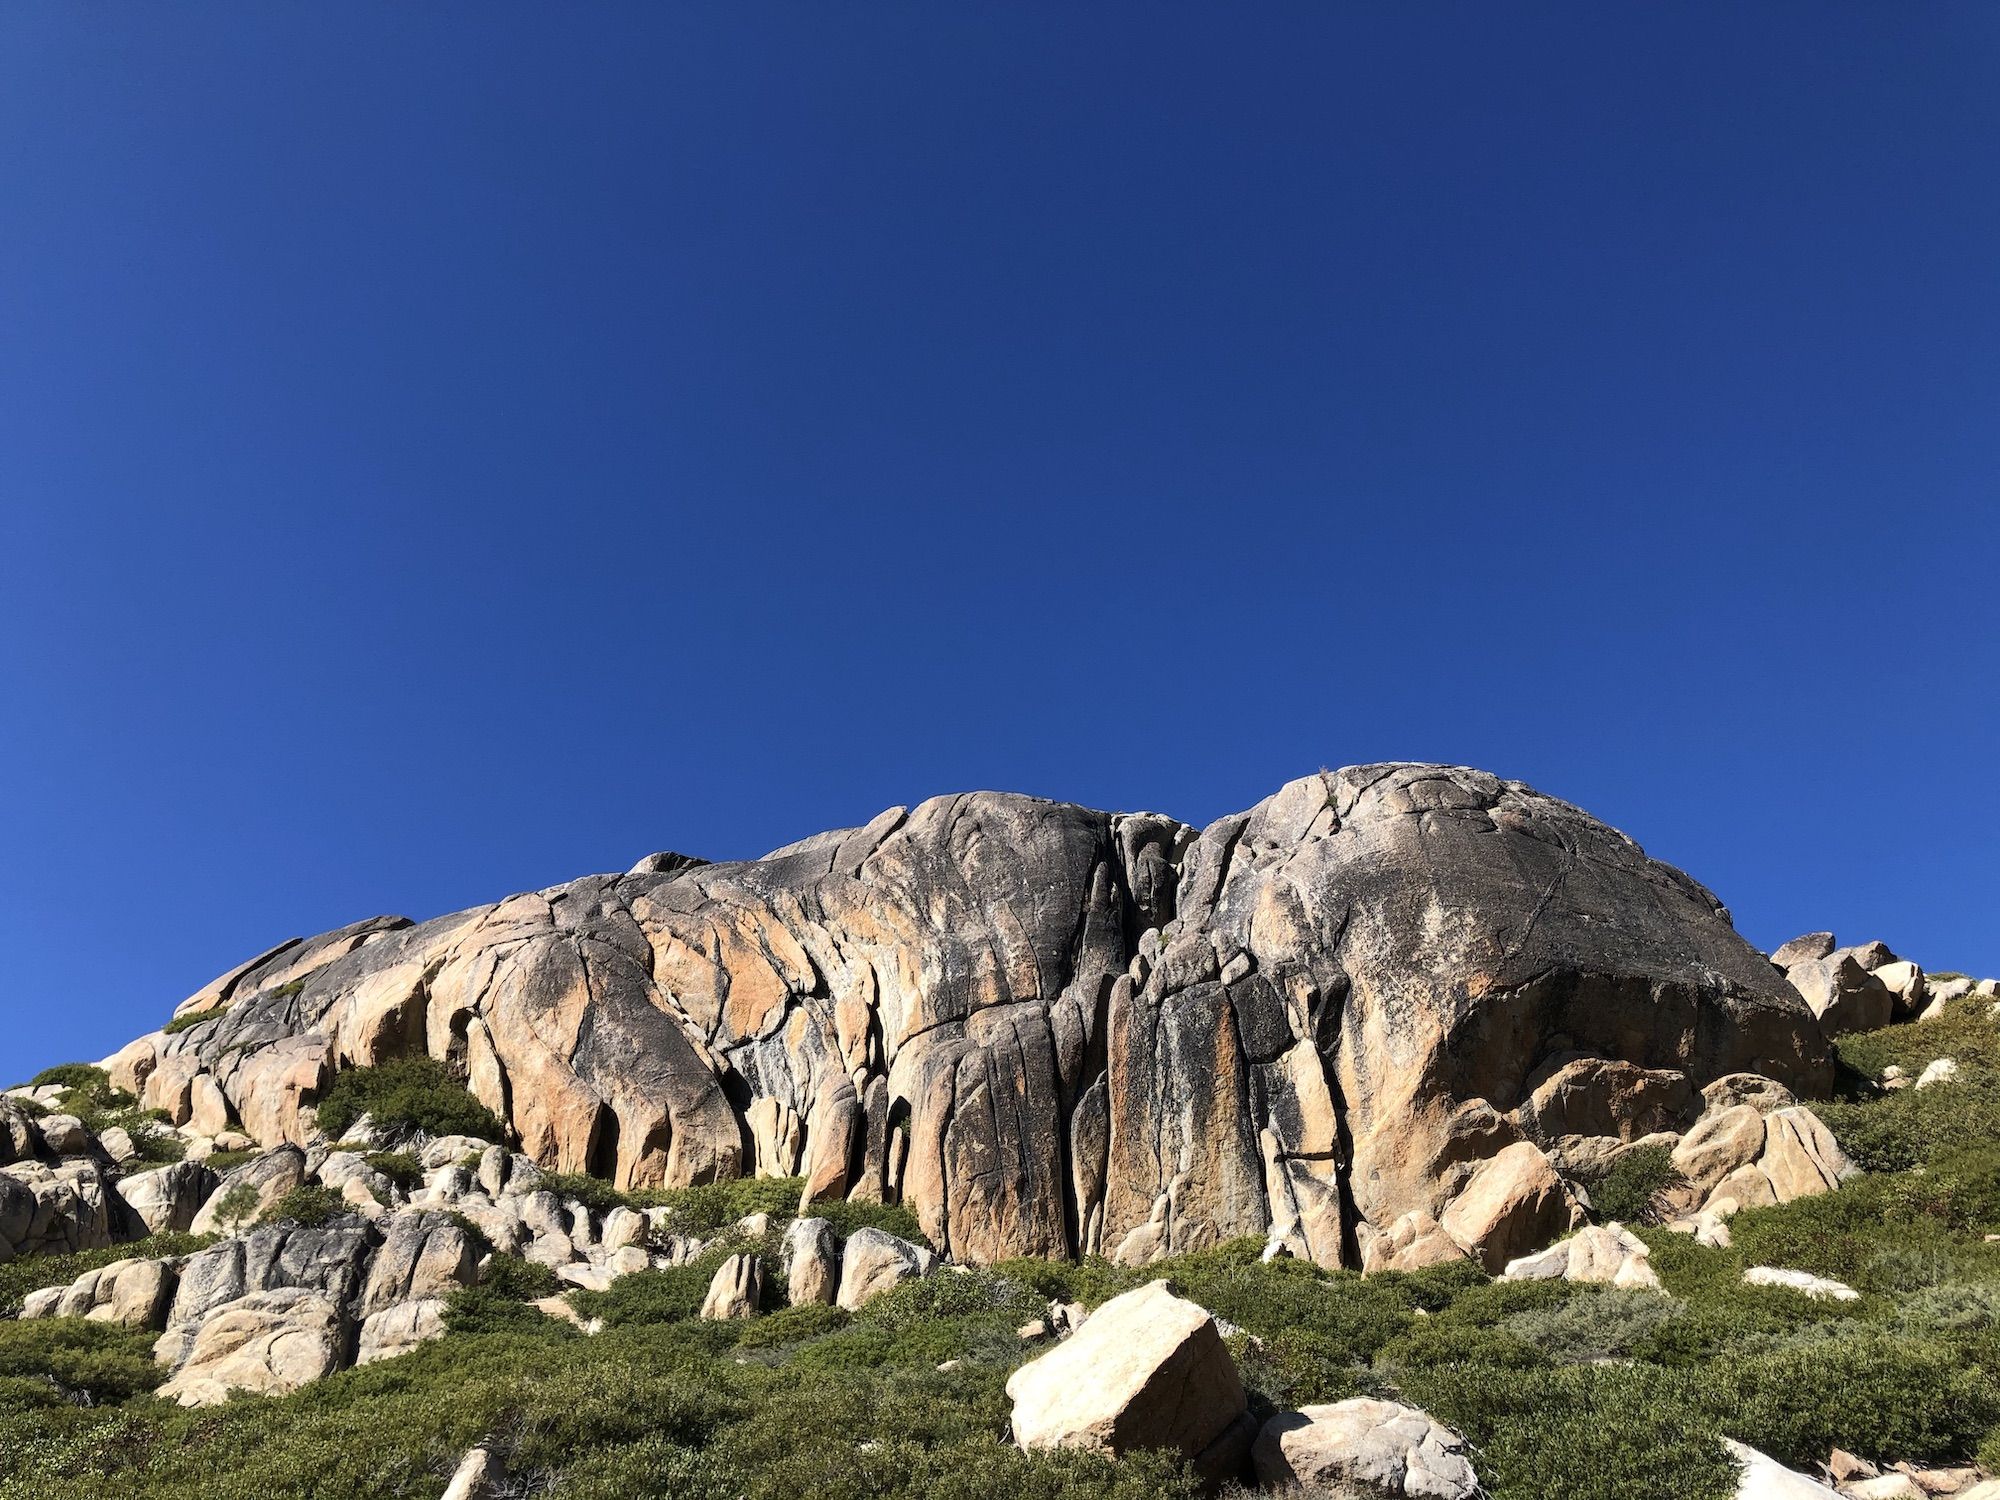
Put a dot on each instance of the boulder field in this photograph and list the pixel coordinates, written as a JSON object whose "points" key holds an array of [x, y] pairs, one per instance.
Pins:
{"points": [[1391, 1014]]}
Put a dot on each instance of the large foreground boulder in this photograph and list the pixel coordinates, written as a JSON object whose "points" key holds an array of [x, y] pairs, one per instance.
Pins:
{"points": [[1147, 1370], [1050, 1030], [1363, 1450]]}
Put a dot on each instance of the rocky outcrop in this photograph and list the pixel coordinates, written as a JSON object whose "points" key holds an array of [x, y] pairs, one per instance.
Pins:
{"points": [[1148, 1370], [1363, 1450], [267, 1343], [1511, 1203], [167, 1199], [1861, 987], [1050, 1030], [1739, 1158], [58, 1209]]}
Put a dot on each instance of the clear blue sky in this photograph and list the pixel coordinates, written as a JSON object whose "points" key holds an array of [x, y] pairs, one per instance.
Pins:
{"points": [[448, 449]]}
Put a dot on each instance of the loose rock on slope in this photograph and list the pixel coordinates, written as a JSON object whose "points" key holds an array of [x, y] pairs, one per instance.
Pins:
{"points": [[1148, 1370], [1363, 1450]]}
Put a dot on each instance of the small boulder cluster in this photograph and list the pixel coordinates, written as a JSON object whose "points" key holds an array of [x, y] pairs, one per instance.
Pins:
{"points": [[1864, 987], [818, 1268], [277, 1304], [1150, 1369]]}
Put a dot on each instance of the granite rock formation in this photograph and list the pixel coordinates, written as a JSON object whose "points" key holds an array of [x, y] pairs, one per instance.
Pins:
{"points": [[1393, 995]]}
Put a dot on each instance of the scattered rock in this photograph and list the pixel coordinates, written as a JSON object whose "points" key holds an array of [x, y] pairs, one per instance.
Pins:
{"points": [[132, 1293], [64, 1135], [1885, 1487], [424, 1256], [1513, 1202], [1843, 994], [268, 1179], [872, 1261], [1363, 1449], [399, 1329], [1609, 1254], [1905, 982], [1149, 1370], [167, 1199], [1754, 1089], [812, 1262], [476, 1478], [268, 1343], [736, 1290], [1943, 1070], [1811, 945], [1414, 1241], [1816, 1287]]}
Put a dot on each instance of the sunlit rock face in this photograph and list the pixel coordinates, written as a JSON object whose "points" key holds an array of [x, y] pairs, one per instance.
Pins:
{"points": [[1052, 1030]]}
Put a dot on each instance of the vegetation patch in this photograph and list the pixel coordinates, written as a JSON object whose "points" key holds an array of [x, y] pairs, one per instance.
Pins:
{"points": [[305, 1206], [193, 1019], [1637, 1188], [400, 1167], [410, 1093]]}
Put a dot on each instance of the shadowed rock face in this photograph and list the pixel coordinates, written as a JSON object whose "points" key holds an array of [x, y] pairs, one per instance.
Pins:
{"points": [[1047, 1029]]}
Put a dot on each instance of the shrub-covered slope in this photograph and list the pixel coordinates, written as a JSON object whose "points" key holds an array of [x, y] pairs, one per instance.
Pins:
{"points": [[1583, 1391]]}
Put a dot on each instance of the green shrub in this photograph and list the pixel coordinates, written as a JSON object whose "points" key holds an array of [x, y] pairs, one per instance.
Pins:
{"points": [[710, 1206], [225, 1162], [1964, 1032], [237, 1204], [594, 1193], [1958, 1190], [1299, 1367], [1867, 1392], [850, 1215], [1912, 1127], [89, 1096], [1954, 1307], [77, 1360], [488, 1308], [1598, 1323], [791, 1325], [308, 1206], [1430, 1344], [400, 1167], [1636, 1188], [410, 1093], [74, 1076], [1583, 1432], [519, 1280], [193, 1019], [671, 1295]]}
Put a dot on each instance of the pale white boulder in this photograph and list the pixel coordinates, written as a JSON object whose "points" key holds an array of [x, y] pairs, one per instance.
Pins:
{"points": [[1363, 1449]]}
